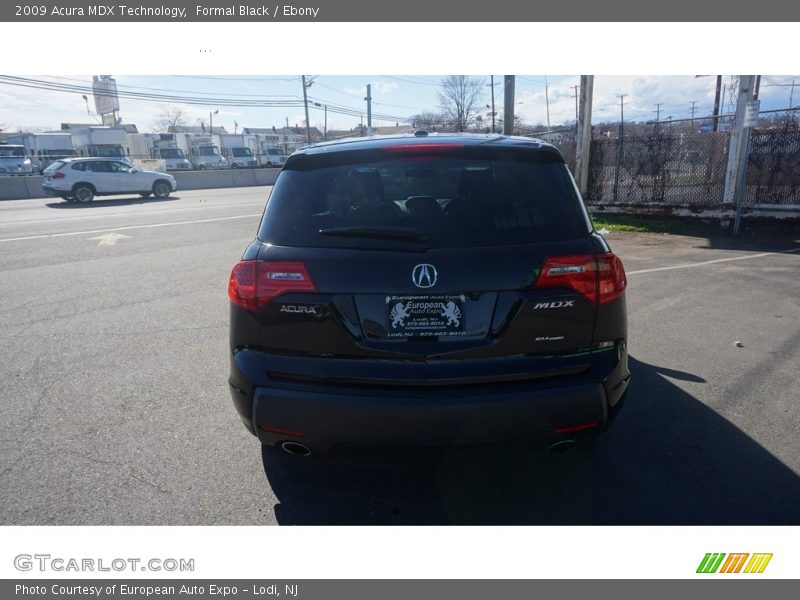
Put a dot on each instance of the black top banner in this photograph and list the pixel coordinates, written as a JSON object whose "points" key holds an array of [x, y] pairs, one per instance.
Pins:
{"points": [[462, 11]]}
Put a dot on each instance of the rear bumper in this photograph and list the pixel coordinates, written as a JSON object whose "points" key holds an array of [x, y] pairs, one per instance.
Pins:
{"points": [[50, 190], [324, 416], [322, 420]]}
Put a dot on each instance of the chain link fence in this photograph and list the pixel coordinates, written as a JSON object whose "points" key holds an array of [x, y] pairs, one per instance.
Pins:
{"points": [[684, 162], [773, 165]]}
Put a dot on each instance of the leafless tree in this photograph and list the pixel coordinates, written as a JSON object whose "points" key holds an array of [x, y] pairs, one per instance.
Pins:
{"points": [[171, 117], [29, 128], [428, 120], [460, 99]]}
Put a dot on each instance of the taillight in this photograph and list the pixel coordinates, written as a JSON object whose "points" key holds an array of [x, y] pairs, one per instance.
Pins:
{"points": [[612, 280], [254, 283], [599, 280], [58, 175]]}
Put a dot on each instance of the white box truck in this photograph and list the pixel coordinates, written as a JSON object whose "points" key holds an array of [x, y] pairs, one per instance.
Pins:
{"points": [[44, 148], [14, 160], [165, 147], [203, 152], [107, 142], [161, 147], [237, 150], [270, 149]]}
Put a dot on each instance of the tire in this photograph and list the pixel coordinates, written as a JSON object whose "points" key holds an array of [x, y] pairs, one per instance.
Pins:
{"points": [[201, 168], [162, 189], [146, 194], [83, 193]]}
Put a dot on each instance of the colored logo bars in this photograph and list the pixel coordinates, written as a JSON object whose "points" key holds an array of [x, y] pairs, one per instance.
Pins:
{"points": [[733, 563]]}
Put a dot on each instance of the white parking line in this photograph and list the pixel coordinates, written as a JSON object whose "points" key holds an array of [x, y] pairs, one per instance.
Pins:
{"points": [[711, 262], [137, 213], [128, 228]]}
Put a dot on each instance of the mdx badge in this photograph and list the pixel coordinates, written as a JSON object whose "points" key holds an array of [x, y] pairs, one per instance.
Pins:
{"points": [[556, 304], [424, 276]]}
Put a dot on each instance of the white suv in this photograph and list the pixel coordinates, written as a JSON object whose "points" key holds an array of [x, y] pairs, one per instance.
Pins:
{"points": [[81, 179]]}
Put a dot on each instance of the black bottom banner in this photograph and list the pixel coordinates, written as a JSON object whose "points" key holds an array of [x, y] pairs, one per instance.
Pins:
{"points": [[386, 589]]}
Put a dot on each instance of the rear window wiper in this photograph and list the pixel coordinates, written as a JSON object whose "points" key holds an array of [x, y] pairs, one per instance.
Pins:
{"points": [[380, 233]]}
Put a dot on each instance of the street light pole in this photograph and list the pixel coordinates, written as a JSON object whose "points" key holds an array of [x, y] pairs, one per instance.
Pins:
{"points": [[305, 103], [493, 113], [211, 120], [368, 99]]}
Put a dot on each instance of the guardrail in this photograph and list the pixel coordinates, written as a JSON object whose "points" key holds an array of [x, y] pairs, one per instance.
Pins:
{"points": [[20, 187]]}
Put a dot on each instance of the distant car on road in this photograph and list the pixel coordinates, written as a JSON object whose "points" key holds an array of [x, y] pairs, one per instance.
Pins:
{"points": [[81, 179]]}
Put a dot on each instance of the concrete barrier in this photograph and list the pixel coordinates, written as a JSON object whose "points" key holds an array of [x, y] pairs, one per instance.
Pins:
{"points": [[12, 188], [20, 188]]}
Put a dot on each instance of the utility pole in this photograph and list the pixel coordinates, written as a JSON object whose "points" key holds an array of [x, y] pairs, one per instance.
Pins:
{"points": [[508, 105], [749, 124], [658, 111], [305, 103], [620, 143], [715, 118], [791, 95], [492, 84], [369, 109], [737, 152], [694, 106], [584, 140], [547, 101]]}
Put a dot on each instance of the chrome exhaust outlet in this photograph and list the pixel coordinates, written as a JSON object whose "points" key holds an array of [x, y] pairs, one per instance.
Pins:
{"points": [[563, 446], [295, 448]]}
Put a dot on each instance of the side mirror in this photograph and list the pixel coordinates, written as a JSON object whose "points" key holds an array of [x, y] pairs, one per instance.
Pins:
{"points": [[134, 171]]}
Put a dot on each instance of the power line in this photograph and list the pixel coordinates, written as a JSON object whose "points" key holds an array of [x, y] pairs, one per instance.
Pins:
{"points": [[238, 78], [197, 100], [409, 80], [137, 87]]}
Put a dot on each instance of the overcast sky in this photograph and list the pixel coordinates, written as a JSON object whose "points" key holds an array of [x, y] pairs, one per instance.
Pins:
{"points": [[395, 96]]}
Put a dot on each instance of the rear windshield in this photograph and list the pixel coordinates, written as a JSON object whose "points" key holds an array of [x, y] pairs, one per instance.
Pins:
{"points": [[55, 166], [429, 203]]}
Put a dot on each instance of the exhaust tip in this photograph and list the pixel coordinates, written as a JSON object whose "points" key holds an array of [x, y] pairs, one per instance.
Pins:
{"points": [[295, 448], [563, 446]]}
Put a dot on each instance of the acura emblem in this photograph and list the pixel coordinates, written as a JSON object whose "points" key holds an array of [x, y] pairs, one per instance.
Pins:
{"points": [[424, 276]]}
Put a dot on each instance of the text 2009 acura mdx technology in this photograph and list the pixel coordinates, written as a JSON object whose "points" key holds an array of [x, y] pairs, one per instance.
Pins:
{"points": [[426, 290]]}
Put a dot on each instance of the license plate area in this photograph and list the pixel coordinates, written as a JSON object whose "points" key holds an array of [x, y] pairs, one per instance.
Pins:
{"points": [[441, 315]]}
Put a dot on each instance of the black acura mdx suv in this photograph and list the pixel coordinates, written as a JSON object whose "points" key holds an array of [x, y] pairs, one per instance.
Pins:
{"points": [[426, 290]]}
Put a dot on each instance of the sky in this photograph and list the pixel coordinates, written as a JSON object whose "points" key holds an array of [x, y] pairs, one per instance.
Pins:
{"points": [[394, 96]]}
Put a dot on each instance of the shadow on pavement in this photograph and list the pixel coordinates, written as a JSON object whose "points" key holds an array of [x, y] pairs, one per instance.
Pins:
{"points": [[668, 459], [102, 202]]}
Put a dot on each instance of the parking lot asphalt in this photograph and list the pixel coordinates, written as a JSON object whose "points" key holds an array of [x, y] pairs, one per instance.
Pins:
{"points": [[114, 407]]}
